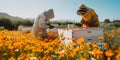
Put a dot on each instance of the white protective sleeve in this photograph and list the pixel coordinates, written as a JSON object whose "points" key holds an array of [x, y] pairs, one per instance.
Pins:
{"points": [[41, 21]]}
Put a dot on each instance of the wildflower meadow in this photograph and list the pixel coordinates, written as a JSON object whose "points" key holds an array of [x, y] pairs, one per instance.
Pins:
{"points": [[15, 45]]}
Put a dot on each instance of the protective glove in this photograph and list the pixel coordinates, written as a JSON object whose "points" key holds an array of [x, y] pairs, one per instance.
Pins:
{"points": [[51, 26]]}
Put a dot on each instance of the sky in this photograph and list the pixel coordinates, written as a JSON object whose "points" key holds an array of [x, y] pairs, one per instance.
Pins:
{"points": [[63, 9]]}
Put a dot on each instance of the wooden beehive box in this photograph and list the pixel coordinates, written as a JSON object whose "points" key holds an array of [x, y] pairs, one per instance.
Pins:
{"points": [[89, 34]]}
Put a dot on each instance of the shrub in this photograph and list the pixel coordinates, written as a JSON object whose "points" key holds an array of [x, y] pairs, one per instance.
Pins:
{"points": [[6, 23]]}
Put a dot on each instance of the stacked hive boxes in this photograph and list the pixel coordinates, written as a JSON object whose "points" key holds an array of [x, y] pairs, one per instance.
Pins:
{"points": [[89, 34]]}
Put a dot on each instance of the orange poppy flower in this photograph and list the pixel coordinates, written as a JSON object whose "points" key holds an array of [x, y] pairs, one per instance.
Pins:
{"points": [[101, 38], [61, 55], [80, 40], [11, 58], [109, 52], [118, 57]]}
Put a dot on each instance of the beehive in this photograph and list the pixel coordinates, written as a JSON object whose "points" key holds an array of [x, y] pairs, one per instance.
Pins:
{"points": [[89, 34]]}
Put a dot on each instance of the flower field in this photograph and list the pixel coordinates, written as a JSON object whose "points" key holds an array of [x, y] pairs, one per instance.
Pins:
{"points": [[15, 45]]}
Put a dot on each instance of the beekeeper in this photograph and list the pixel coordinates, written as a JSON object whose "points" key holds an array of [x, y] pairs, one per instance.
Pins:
{"points": [[89, 16], [41, 25]]}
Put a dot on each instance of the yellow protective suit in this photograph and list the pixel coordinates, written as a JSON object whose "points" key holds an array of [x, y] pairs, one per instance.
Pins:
{"points": [[90, 18]]}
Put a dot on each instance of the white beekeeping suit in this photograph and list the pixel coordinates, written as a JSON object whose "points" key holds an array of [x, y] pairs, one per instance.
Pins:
{"points": [[40, 23]]}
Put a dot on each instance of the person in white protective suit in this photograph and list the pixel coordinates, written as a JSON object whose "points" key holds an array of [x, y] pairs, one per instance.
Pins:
{"points": [[41, 25]]}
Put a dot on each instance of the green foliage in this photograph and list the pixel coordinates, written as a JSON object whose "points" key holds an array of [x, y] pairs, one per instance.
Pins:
{"points": [[78, 24], [112, 37], [107, 21], [64, 24], [108, 26], [61, 22], [12, 23], [6, 23], [26, 22]]}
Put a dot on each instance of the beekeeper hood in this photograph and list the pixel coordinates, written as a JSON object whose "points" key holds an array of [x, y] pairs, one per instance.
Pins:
{"points": [[50, 13], [83, 8]]}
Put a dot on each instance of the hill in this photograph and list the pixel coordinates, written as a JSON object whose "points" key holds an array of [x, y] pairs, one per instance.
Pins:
{"points": [[5, 15], [12, 22]]}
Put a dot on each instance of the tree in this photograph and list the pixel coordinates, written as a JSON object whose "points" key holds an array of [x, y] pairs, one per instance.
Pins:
{"points": [[107, 21], [6, 23]]}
